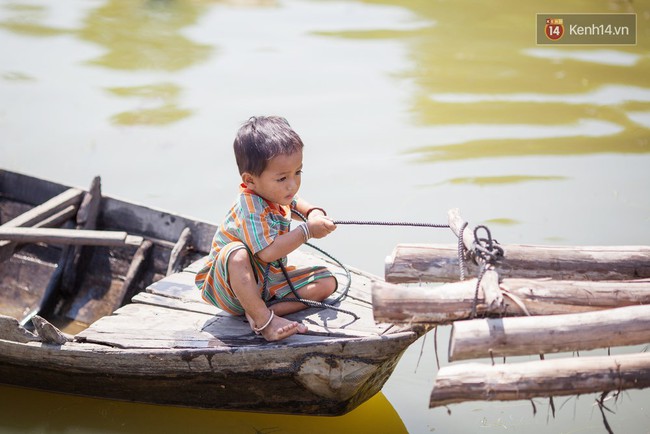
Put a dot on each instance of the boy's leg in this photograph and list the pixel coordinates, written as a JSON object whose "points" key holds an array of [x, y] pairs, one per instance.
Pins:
{"points": [[317, 290], [242, 282]]}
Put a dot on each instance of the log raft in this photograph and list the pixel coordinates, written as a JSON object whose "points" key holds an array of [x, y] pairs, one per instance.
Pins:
{"points": [[562, 298]]}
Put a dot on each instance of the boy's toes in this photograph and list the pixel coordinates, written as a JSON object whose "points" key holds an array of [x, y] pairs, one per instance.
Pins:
{"points": [[281, 328]]}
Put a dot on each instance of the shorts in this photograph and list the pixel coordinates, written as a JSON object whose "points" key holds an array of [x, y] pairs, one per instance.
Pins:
{"points": [[214, 283]]}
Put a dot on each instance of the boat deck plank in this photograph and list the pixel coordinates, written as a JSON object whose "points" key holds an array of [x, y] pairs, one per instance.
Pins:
{"points": [[172, 314]]}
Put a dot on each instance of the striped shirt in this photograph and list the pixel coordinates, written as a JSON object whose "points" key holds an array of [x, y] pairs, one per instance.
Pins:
{"points": [[252, 223], [255, 222]]}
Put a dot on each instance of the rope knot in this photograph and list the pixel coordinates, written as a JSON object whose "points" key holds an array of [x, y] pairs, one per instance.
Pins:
{"points": [[486, 249]]}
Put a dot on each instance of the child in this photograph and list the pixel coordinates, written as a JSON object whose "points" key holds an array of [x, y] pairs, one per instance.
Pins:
{"points": [[256, 232]]}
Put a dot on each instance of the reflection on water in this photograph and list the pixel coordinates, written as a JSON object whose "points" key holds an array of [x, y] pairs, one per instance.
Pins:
{"points": [[23, 410], [135, 35], [497, 180], [145, 34], [26, 19], [162, 97], [484, 71], [633, 141]]}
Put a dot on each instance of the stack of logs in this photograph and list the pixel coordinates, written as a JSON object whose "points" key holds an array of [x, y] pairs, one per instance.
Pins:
{"points": [[542, 300]]}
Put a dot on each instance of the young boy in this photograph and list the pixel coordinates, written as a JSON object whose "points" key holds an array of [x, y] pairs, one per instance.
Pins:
{"points": [[256, 232]]}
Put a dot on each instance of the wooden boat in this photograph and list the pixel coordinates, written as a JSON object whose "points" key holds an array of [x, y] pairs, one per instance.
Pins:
{"points": [[137, 330]]}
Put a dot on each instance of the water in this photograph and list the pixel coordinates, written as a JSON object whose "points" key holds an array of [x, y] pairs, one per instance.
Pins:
{"points": [[406, 108]]}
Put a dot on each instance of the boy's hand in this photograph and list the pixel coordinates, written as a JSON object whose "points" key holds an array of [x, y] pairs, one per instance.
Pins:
{"points": [[320, 225]]}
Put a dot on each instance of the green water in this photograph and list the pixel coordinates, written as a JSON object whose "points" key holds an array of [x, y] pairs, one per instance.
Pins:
{"points": [[407, 109]]}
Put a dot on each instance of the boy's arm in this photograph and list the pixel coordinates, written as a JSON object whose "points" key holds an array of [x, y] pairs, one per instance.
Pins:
{"points": [[304, 208], [318, 226], [282, 245]]}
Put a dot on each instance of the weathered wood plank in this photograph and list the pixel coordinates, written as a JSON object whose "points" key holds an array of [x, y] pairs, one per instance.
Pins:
{"points": [[58, 219], [23, 280], [148, 326], [180, 286], [135, 269], [93, 302], [71, 196], [556, 377], [315, 319], [48, 333], [414, 263], [179, 250], [501, 337], [87, 220], [11, 330], [177, 303], [69, 236], [37, 214], [453, 301]]}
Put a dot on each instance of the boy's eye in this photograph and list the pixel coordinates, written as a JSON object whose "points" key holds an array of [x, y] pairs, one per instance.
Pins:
{"points": [[284, 178], [299, 172]]}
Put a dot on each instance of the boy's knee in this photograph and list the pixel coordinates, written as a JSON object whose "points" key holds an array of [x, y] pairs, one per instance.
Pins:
{"points": [[239, 260], [330, 285]]}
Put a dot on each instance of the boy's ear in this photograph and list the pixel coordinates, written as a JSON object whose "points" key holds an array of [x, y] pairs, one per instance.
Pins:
{"points": [[247, 178]]}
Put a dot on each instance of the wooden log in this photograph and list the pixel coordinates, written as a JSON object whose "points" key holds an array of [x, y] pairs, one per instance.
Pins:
{"points": [[453, 301], [179, 249], [545, 378], [456, 223], [501, 337], [69, 236], [493, 298], [37, 214], [414, 263]]}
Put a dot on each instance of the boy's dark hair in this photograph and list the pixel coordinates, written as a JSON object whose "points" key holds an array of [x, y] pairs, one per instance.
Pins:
{"points": [[261, 138]]}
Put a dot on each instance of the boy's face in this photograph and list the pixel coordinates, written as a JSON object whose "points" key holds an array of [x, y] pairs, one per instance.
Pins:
{"points": [[280, 181]]}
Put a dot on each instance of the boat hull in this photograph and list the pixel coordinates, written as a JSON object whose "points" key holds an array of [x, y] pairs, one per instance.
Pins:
{"points": [[328, 380]]}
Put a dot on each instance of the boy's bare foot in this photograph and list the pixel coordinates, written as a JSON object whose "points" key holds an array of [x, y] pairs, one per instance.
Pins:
{"points": [[276, 328]]}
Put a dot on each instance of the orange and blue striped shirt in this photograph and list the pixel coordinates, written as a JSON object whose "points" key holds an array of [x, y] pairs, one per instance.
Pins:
{"points": [[254, 221]]}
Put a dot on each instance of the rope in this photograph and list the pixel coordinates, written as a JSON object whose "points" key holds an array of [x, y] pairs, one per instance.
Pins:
{"points": [[461, 251], [384, 223], [311, 303], [487, 252], [484, 251]]}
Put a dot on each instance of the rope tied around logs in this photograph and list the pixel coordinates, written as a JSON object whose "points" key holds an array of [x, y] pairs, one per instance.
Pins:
{"points": [[485, 252]]}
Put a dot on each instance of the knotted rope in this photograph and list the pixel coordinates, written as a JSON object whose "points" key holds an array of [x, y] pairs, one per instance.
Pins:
{"points": [[486, 251]]}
